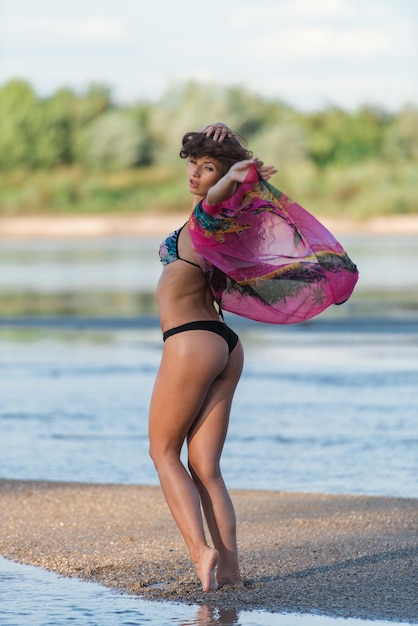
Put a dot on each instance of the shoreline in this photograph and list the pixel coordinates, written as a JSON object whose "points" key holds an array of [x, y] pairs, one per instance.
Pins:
{"points": [[337, 555], [97, 226]]}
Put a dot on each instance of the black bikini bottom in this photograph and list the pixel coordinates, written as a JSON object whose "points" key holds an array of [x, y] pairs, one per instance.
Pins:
{"points": [[220, 328]]}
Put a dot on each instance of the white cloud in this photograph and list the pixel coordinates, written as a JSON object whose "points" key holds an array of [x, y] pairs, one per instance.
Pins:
{"points": [[320, 9], [290, 11], [314, 42], [302, 50], [44, 29]]}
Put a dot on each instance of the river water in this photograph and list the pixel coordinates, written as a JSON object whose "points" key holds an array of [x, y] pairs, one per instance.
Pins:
{"points": [[327, 406]]}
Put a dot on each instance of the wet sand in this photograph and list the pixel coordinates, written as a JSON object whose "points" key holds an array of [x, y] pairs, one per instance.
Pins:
{"points": [[348, 556]]}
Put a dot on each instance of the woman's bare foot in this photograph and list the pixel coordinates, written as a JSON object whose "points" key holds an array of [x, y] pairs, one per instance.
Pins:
{"points": [[229, 579], [206, 568]]}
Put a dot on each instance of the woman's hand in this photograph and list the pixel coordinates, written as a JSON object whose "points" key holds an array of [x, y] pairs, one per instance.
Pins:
{"points": [[217, 131], [239, 171]]}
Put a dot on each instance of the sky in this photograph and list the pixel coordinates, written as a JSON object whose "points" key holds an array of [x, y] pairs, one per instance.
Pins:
{"points": [[308, 53]]}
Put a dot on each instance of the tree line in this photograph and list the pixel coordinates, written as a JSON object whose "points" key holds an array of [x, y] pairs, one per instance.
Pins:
{"points": [[91, 132], [90, 129]]}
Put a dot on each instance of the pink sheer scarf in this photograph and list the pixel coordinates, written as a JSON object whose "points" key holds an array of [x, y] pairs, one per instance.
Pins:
{"points": [[268, 259]]}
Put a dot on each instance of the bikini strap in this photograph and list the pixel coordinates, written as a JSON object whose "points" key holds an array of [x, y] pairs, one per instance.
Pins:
{"points": [[177, 249], [189, 262]]}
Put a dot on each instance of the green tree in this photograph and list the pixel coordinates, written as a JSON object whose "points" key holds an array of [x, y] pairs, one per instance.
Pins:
{"points": [[401, 139], [182, 107], [20, 122], [140, 114], [55, 144], [113, 141], [94, 102], [336, 136]]}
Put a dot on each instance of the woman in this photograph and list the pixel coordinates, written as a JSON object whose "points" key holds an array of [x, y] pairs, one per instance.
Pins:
{"points": [[200, 368]]}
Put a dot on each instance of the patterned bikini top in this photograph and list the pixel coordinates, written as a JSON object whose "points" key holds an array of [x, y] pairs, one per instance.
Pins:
{"points": [[169, 249]]}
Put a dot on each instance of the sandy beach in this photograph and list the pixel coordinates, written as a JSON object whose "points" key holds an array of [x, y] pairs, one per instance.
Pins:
{"points": [[348, 556], [27, 227]]}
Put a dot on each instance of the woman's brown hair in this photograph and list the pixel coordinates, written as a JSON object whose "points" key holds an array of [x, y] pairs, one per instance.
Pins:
{"points": [[228, 151]]}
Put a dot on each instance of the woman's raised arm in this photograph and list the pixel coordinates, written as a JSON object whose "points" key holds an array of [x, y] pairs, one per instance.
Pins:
{"points": [[227, 185]]}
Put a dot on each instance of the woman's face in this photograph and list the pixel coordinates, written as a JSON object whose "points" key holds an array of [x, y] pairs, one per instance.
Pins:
{"points": [[203, 173]]}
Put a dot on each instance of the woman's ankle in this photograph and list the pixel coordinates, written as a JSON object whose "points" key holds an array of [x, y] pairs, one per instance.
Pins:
{"points": [[206, 564]]}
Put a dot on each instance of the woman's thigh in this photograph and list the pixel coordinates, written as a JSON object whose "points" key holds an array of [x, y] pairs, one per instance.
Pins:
{"points": [[190, 363], [207, 434]]}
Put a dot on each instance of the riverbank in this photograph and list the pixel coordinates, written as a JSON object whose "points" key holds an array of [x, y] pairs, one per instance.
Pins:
{"points": [[40, 226], [349, 556]]}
